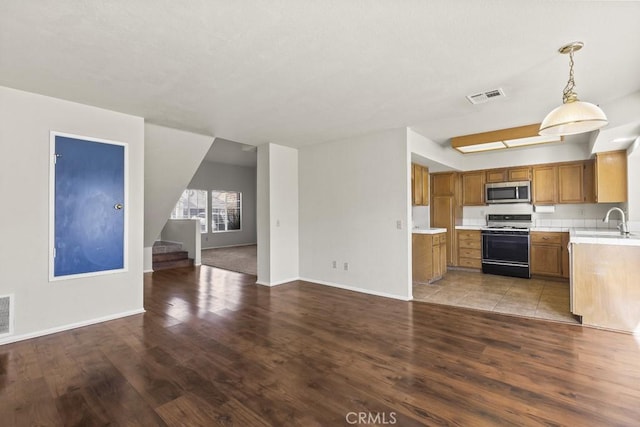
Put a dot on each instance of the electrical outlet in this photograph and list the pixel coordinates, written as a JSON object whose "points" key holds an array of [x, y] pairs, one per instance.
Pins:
{"points": [[277, 223], [399, 224], [346, 266], [334, 264]]}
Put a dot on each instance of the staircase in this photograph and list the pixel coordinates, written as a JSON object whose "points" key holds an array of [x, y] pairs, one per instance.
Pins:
{"points": [[166, 255]]}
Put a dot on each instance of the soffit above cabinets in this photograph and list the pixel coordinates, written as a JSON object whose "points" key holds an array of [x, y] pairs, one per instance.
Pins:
{"points": [[502, 139]]}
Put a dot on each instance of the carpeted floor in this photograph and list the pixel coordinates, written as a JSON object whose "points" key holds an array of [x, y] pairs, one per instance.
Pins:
{"points": [[242, 259]]}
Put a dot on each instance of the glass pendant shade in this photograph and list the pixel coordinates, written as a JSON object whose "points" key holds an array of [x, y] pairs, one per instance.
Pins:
{"points": [[573, 118]]}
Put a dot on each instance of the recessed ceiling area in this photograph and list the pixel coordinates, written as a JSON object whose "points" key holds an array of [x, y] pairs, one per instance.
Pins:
{"points": [[297, 73]]}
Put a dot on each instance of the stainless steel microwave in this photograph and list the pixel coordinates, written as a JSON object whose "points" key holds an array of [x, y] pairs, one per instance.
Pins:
{"points": [[508, 192]]}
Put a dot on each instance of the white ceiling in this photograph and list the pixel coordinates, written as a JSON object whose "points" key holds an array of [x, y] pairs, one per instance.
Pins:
{"points": [[297, 72]]}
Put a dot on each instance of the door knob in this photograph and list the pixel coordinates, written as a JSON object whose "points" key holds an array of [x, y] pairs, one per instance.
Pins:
{"points": [[117, 206]]}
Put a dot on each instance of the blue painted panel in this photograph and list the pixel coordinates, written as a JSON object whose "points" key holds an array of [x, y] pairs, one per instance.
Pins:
{"points": [[89, 230]]}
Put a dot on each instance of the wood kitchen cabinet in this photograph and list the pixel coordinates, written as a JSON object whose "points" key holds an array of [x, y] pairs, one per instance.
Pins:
{"points": [[570, 183], [611, 177], [549, 254], [519, 174], [473, 188], [510, 174], [419, 185], [469, 248], [545, 185], [446, 208], [428, 257]]}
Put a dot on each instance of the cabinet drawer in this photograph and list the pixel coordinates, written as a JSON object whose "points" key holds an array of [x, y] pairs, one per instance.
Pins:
{"points": [[470, 244], [469, 253], [469, 263], [550, 238], [469, 234]]}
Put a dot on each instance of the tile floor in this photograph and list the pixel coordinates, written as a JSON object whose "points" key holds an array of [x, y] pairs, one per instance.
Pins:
{"points": [[543, 299]]}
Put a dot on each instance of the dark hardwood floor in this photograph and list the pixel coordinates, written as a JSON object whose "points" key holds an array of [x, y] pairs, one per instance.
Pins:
{"points": [[213, 348]]}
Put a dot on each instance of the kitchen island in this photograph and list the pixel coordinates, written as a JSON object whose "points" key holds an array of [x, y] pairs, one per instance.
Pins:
{"points": [[429, 254], [605, 283]]}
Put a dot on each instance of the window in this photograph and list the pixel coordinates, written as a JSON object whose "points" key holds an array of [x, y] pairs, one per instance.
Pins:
{"points": [[226, 210], [192, 205]]}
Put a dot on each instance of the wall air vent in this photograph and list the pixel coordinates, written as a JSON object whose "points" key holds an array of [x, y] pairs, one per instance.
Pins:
{"points": [[482, 97], [6, 315]]}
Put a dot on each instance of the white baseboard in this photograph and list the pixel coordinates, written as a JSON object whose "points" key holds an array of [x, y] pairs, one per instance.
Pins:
{"points": [[16, 338], [356, 289], [280, 282], [148, 271]]}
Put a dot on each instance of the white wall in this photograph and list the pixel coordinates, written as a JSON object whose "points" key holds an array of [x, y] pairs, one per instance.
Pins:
{"points": [[352, 193], [42, 306], [633, 184], [277, 214], [187, 232], [220, 176], [171, 158], [263, 215]]}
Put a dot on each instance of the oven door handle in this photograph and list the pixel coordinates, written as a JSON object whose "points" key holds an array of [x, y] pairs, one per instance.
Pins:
{"points": [[511, 264]]}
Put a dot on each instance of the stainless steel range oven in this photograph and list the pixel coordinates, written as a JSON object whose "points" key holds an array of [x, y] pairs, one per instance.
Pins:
{"points": [[505, 245]]}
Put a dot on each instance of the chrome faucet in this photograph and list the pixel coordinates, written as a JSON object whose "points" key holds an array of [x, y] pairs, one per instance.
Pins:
{"points": [[623, 227]]}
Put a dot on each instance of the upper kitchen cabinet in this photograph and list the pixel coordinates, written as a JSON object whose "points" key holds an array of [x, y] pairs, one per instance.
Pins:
{"points": [[511, 174], [570, 183], [545, 184], [444, 184], [473, 188], [419, 185], [563, 183], [611, 177], [519, 174]]}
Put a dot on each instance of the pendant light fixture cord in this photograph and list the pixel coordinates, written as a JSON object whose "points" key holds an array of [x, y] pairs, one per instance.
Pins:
{"points": [[568, 95]]}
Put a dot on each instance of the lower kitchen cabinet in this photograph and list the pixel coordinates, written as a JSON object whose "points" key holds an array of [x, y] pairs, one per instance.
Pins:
{"points": [[469, 248], [549, 254], [429, 257]]}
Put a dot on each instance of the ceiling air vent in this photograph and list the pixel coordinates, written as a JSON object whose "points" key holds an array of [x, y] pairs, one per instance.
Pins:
{"points": [[482, 97]]}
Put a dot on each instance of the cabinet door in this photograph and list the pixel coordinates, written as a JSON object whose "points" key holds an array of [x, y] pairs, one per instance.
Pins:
{"points": [[589, 181], [611, 177], [496, 175], [570, 180], [565, 255], [545, 183], [546, 260], [519, 174], [425, 186], [421, 258], [417, 184], [436, 255], [473, 188], [443, 256], [442, 208], [443, 184]]}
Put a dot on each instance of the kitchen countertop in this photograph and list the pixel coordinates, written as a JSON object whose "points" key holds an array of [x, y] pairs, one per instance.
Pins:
{"points": [[428, 230], [603, 237], [469, 227]]}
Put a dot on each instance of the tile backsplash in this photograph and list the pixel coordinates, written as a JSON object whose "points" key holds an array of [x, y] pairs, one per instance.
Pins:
{"points": [[581, 215], [565, 216]]}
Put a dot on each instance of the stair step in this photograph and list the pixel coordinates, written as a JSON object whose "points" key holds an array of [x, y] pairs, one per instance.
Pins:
{"points": [[161, 247], [165, 265], [170, 256]]}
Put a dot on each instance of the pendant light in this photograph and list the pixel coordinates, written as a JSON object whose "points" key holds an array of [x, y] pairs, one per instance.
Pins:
{"points": [[573, 116]]}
